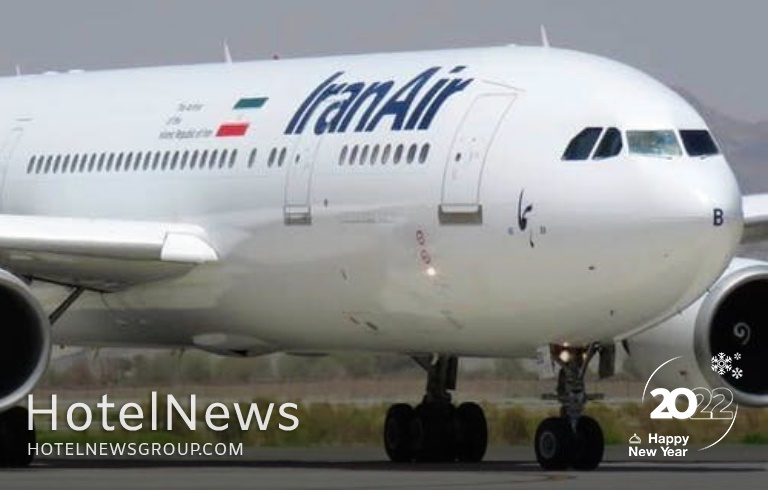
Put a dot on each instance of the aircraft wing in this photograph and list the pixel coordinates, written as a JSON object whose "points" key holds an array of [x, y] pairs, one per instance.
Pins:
{"points": [[105, 255], [755, 208]]}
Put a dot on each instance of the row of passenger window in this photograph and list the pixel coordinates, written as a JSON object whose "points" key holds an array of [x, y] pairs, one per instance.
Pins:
{"points": [[384, 154], [147, 161]]}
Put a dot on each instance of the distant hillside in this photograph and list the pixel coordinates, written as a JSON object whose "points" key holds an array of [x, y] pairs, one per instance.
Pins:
{"points": [[745, 145]]}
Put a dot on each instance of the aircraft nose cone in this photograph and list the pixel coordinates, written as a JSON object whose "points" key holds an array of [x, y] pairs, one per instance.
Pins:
{"points": [[710, 206]]}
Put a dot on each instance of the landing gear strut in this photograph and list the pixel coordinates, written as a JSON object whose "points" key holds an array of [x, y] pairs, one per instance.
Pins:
{"points": [[436, 430], [572, 439]]}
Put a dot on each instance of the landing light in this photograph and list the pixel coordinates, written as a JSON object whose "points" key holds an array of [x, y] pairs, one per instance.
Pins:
{"points": [[431, 271]]}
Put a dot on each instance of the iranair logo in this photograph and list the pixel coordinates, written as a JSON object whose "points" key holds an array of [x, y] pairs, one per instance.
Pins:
{"points": [[339, 106]]}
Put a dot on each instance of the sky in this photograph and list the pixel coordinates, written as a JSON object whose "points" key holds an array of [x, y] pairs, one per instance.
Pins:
{"points": [[712, 48]]}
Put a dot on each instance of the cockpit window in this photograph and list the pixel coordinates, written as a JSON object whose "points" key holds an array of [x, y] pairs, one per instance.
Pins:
{"points": [[581, 145], [699, 143], [610, 145], [662, 143]]}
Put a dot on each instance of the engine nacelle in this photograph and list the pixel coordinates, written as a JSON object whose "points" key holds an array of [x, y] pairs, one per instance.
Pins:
{"points": [[731, 318], [25, 340]]}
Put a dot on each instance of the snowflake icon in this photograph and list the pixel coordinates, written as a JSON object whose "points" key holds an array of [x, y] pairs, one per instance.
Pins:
{"points": [[721, 364], [737, 373], [737, 356]]}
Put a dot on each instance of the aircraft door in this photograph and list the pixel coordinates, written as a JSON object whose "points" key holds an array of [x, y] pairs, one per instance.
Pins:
{"points": [[297, 209], [460, 202], [7, 152]]}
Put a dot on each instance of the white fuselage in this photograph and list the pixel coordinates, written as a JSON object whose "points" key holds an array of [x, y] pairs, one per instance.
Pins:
{"points": [[323, 252]]}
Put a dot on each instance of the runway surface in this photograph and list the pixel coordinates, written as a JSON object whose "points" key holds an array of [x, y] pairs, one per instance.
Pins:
{"points": [[366, 469]]}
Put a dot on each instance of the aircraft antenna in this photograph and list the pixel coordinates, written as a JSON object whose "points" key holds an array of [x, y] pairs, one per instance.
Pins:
{"points": [[544, 37], [18, 70], [227, 53]]}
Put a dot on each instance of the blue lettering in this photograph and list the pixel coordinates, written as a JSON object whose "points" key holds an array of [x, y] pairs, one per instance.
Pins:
{"points": [[362, 106], [300, 118], [453, 87], [400, 103]]}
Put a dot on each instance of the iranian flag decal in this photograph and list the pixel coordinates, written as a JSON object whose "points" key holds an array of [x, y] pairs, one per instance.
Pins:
{"points": [[240, 128]]}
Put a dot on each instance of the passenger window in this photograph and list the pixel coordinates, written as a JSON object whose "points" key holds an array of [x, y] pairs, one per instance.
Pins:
{"points": [[184, 158], [424, 153], [56, 163], [223, 158], [203, 159], [212, 160], [232, 158], [156, 160], [581, 145], [385, 154], [272, 157], [353, 155], [110, 160], [281, 160], [398, 154], [92, 163], [39, 165], [65, 165], [375, 155], [119, 162], [75, 161], [128, 162], [610, 145], [31, 165], [343, 155], [252, 158], [364, 155], [412, 153], [662, 143], [193, 160], [699, 143]]}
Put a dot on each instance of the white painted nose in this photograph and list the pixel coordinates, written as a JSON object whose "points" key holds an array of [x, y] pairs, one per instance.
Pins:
{"points": [[709, 203]]}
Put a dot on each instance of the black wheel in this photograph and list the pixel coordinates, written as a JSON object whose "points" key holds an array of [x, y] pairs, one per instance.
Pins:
{"points": [[554, 444], [434, 432], [472, 433], [589, 444], [398, 441], [15, 438]]}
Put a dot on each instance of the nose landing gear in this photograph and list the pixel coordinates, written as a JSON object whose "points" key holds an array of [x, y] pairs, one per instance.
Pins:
{"points": [[572, 439]]}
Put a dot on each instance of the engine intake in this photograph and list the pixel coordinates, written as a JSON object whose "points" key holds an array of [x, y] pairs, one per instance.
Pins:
{"points": [[732, 319], [26, 345]]}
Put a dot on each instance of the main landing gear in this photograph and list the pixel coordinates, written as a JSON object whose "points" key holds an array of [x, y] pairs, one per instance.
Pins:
{"points": [[436, 430], [15, 438], [572, 439]]}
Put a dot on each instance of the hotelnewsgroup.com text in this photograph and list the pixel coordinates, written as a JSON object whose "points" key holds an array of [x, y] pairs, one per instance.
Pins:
{"points": [[132, 417], [118, 449]]}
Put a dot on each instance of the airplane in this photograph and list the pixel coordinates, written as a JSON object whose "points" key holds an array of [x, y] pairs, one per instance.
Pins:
{"points": [[478, 202]]}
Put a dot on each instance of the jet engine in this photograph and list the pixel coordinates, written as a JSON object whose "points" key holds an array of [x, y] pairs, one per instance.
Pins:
{"points": [[722, 338], [25, 345]]}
